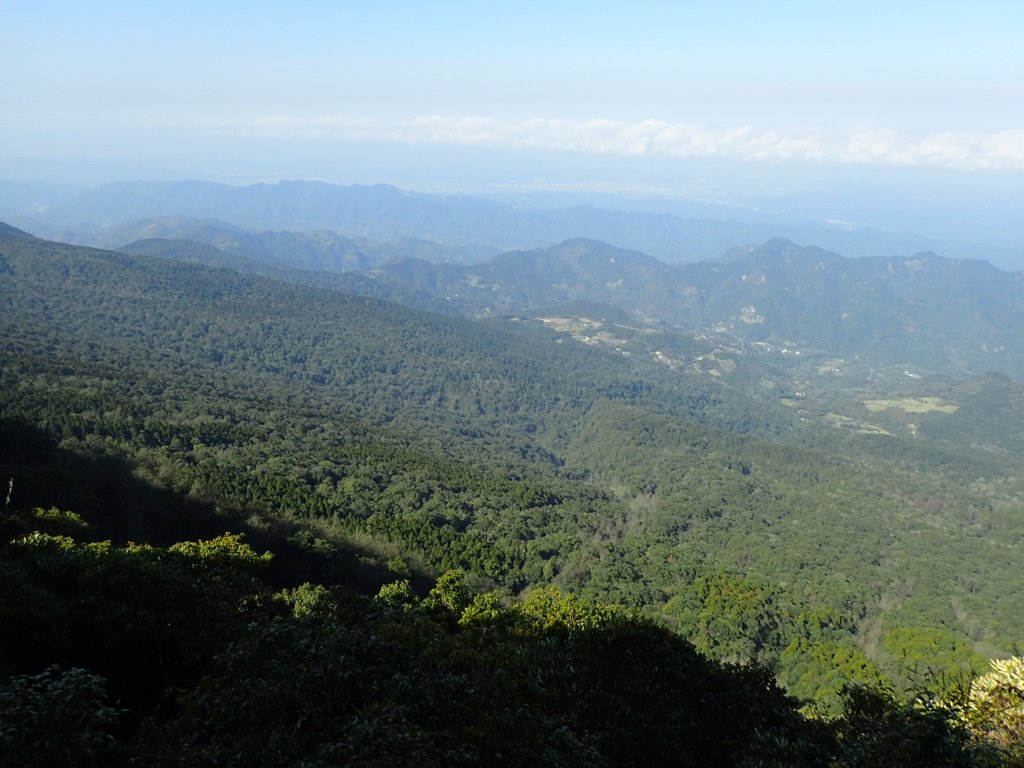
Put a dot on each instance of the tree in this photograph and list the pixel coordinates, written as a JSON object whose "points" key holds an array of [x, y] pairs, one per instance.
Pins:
{"points": [[55, 718], [995, 705]]}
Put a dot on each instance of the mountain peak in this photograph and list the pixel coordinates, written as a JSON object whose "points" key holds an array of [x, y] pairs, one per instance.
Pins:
{"points": [[592, 247], [779, 249]]}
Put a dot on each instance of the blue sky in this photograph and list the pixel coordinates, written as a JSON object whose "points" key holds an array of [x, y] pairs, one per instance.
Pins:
{"points": [[258, 88]]}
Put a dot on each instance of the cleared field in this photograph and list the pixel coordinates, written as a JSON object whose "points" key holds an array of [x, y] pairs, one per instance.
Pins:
{"points": [[913, 405]]}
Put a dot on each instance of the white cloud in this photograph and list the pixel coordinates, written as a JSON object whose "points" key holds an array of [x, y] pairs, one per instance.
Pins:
{"points": [[1000, 150]]}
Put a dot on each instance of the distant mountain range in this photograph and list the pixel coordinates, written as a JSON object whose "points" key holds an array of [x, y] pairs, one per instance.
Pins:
{"points": [[892, 311], [468, 228], [477, 257], [321, 250], [922, 311]]}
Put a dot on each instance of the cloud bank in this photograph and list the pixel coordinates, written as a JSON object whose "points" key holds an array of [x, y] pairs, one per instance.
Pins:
{"points": [[998, 150]]}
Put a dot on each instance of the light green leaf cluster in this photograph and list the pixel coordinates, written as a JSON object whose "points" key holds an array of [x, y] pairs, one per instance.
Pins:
{"points": [[995, 706]]}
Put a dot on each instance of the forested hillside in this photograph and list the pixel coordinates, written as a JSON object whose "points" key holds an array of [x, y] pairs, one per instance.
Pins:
{"points": [[357, 283], [370, 448], [878, 311], [868, 314], [318, 250]]}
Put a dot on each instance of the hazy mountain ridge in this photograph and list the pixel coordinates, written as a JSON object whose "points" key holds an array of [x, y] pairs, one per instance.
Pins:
{"points": [[314, 250], [477, 226], [377, 212]]}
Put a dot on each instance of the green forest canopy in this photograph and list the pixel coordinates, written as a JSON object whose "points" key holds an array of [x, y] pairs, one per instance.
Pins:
{"points": [[365, 444]]}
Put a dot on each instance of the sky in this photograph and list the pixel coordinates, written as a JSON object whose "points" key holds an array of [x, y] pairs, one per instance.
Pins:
{"points": [[659, 98]]}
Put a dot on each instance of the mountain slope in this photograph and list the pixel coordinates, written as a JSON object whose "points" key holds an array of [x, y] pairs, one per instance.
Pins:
{"points": [[894, 311], [510, 450], [882, 312], [353, 283]]}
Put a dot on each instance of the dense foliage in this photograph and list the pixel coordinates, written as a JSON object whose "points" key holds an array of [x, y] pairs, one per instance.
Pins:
{"points": [[364, 445], [188, 655]]}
